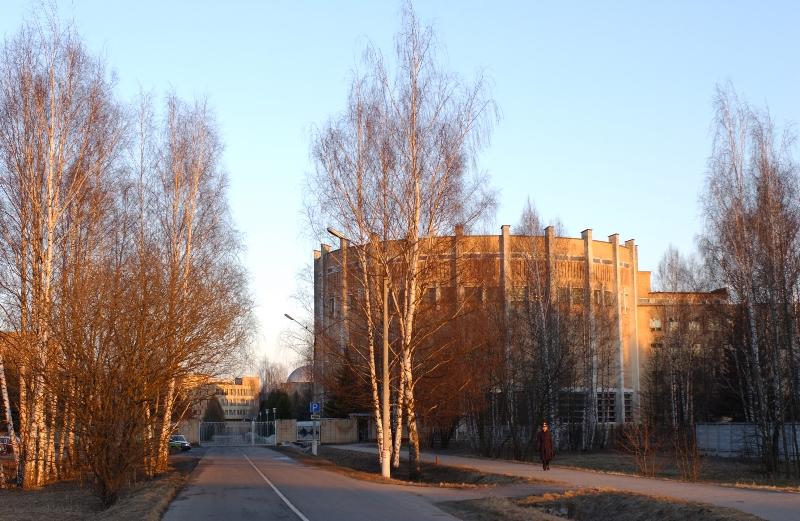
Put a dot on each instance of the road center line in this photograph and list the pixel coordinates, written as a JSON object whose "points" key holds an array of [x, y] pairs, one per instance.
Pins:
{"points": [[285, 500]]}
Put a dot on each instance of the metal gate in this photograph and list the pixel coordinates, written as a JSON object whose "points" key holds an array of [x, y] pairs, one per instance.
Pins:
{"points": [[236, 434]]}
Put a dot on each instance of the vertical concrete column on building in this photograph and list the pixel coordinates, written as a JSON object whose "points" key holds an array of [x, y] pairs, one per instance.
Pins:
{"points": [[634, 341], [588, 311], [457, 247], [343, 307], [619, 410], [318, 316], [505, 267], [317, 291], [505, 259], [321, 340], [549, 245]]}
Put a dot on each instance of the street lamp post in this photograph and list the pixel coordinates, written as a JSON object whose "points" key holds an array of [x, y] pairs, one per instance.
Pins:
{"points": [[314, 361], [290, 317]]}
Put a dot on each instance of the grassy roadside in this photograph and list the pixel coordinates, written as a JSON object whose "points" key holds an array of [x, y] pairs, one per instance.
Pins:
{"points": [[725, 471], [364, 466], [74, 501], [590, 505]]}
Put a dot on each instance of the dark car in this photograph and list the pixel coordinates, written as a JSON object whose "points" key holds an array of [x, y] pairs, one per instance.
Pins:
{"points": [[5, 444], [178, 441]]}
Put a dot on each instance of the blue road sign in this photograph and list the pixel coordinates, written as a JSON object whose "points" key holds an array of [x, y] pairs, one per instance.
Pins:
{"points": [[314, 407]]}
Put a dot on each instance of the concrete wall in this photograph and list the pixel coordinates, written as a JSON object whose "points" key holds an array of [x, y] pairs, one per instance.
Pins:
{"points": [[338, 430], [287, 431], [733, 440]]}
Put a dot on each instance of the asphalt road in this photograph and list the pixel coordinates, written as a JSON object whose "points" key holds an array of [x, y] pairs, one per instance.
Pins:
{"points": [[250, 483]]}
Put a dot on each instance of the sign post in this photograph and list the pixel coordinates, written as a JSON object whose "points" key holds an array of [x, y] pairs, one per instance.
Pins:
{"points": [[315, 409]]}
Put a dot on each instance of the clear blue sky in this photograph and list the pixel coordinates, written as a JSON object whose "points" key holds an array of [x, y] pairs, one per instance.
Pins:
{"points": [[606, 106]]}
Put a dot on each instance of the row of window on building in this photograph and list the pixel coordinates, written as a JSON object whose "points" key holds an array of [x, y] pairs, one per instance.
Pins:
{"points": [[235, 412], [237, 401], [673, 324], [572, 402], [481, 294], [233, 392]]}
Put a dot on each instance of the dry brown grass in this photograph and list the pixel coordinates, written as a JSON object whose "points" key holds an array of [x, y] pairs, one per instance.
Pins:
{"points": [[74, 501], [494, 509], [591, 505], [361, 465], [725, 471]]}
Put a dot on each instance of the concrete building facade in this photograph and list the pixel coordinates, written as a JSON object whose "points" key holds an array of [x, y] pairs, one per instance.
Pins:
{"points": [[587, 275], [238, 397]]}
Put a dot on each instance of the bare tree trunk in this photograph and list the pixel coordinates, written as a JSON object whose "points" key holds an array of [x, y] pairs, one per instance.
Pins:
{"points": [[400, 410], [413, 433], [166, 425], [49, 453], [373, 373], [9, 424]]}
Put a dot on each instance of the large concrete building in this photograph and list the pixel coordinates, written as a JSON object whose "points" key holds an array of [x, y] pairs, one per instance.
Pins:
{"points": [[587, 275]]}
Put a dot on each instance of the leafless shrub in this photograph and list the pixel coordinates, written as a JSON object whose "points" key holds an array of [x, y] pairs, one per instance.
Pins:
{"points": [[643, 441]]}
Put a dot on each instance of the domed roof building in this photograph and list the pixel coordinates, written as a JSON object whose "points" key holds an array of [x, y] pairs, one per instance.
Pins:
{"points": [[301, 375], [299, 380]]}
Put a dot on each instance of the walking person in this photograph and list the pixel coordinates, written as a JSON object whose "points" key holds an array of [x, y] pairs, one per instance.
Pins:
{"points": [[544, 444]]}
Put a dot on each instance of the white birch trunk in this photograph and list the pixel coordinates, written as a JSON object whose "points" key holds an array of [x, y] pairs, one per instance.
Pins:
{"points": [[398, 431], [166, 425], [9, 424]]}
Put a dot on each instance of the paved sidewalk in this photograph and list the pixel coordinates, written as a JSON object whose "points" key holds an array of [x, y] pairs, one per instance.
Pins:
{"points": [[767, 504]]}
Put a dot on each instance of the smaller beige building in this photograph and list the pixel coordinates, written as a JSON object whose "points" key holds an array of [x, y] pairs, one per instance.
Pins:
{"points": [[239, 397]]}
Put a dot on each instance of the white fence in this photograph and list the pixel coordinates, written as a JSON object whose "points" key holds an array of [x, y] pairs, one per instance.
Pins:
{"points": [[237, 434], [233, 434], [732, 440]]}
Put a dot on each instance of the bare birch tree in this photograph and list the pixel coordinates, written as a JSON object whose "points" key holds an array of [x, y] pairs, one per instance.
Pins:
{"points": [[751, 244], [120, 280], [58, 133], [401, 173]]}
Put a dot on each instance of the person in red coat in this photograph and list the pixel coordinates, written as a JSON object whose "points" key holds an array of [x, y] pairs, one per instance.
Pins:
{"points": [[544, 444]]}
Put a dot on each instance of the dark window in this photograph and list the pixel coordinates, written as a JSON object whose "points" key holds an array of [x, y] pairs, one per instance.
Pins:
{"points": [[429, 296], [606, 407], [628, 407], [473, 296], [655, 324], [518, 294]]}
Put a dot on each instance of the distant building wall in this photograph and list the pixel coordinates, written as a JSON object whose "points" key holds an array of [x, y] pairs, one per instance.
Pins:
{"points": [[239, 397]]}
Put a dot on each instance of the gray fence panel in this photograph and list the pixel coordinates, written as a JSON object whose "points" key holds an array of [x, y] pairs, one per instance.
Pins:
{"points": [[236, 434], [733, 440]]}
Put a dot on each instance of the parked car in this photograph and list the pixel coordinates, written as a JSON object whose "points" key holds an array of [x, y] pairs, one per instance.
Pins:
{"points": [[178, 441], [5, 444]]}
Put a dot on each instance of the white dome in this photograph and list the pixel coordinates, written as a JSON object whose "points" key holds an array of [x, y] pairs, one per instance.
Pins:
{"points": [[300, 375]]}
